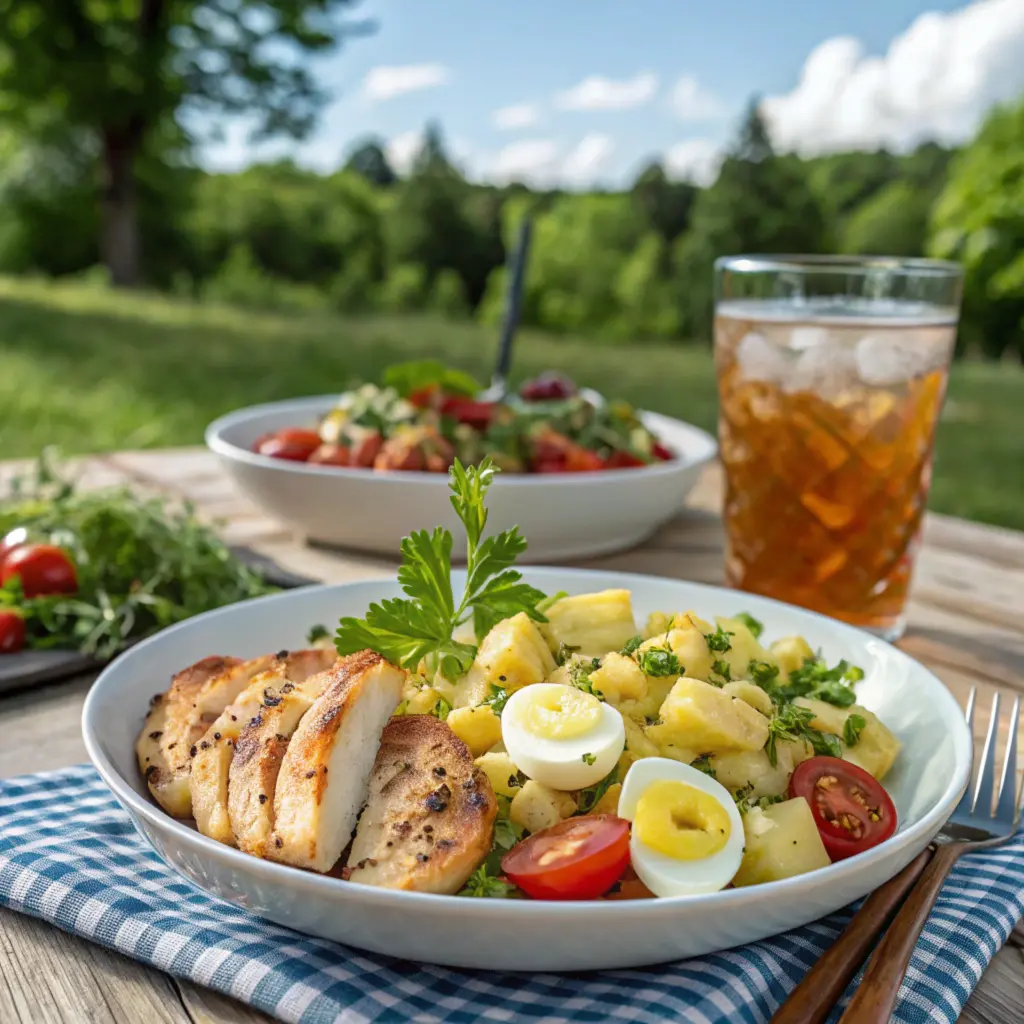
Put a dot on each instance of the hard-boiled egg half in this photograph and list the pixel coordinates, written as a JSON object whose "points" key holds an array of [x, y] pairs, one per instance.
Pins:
{"points": [[687, 835], [560, 736]]}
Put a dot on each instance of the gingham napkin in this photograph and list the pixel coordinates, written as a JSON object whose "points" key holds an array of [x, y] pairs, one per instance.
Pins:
{"points": [[70, 855]]}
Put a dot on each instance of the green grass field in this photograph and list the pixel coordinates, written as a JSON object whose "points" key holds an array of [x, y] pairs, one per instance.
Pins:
{"points": [[90, 370]]}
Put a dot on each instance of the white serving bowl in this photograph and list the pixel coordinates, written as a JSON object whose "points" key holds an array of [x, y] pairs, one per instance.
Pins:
{"points": [[569, 515], [927, 781]]}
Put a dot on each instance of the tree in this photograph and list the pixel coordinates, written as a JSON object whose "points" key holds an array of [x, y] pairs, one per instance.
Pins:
{"points": [[892, 222], [120, 72], [760, 203], [666, 205], [371, 162], [979, 222]]}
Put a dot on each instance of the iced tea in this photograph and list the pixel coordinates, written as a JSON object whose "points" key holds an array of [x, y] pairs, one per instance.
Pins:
{"points": [[827, 421]]}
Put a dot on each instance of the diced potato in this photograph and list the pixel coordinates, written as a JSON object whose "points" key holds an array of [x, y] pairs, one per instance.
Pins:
{"points": [[685, 755], [637, 745], [689, 646], [619, 678], [790, 652], [593, 624], [657, 623], [514, 654], [501, 771], [536, 806], [609, 803], [472, 688], [658, 688], [752, 768], [743, 648], [781, 841], [701, 717], [876, 748], [478, 727], [750, 693], [422, 701]]}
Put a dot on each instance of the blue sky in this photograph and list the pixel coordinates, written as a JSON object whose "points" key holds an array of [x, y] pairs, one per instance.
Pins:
{"points": [[593, 88]]}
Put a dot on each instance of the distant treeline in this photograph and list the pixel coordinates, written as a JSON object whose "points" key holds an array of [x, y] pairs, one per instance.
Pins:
{"points": [[620, 266]]}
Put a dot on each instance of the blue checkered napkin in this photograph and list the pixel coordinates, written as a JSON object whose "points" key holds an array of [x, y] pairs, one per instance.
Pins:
{"points": [[70, 855]]}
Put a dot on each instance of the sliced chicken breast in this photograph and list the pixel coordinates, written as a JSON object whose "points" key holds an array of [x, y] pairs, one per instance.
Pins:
{"points": [[429, 820], [212, 759], [325, 770], [177, 720]]}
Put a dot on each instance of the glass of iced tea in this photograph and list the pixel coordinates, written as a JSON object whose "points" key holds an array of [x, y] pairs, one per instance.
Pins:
{"points": [[831, 376]]}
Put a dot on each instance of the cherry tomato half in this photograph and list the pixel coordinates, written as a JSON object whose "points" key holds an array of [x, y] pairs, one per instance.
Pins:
{"points": [[548, 387], [12, 632], [582, 460], [43, 568], [577, 859], [852, 810], [623, 460], [331, 455], [659, 451], [12, 540], [293, 443], [468, 410]]}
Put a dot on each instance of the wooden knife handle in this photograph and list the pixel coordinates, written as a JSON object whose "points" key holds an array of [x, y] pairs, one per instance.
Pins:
{"points": [[815, 997], [876, 995]]}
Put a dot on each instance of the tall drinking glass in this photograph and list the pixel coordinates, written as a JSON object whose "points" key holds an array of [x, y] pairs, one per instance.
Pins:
{"points": [[831, 376]]}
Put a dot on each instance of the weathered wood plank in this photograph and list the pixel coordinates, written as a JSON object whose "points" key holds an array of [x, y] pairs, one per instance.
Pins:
{"points": [[205, 1006], [999, 999]]}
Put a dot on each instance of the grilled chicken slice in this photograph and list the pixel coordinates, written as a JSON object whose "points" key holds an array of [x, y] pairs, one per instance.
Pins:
{"points": [[429, 821], [177, 720], [212, 760], [256, 761], [325, 770]]}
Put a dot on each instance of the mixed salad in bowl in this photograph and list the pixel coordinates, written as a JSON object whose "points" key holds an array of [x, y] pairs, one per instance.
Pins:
{"points": [[423, 416]]}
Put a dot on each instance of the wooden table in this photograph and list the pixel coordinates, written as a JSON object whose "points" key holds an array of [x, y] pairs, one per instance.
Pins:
{"points": [[966, 623]]}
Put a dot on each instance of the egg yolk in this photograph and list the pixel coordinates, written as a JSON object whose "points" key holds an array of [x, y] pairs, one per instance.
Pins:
{"points": [[561, 713], [681, 821]]}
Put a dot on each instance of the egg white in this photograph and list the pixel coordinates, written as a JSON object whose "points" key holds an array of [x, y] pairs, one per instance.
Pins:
{"points": [[667, 876], [559, 763]]}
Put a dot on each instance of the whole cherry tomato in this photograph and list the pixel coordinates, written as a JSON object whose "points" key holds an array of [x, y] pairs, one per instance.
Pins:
{"points": [[623, 460], [12, 540], [331, 455], [364, 452], [659, 451], [12, 632], [582, 460], [548, 387], [43, 568], [295, 444], [468, 410], [577, 859]]}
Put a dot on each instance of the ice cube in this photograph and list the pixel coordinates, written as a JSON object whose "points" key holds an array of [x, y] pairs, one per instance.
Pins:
{"points": [[825, 369], [803, 338], [759, 359], [887, 358]]}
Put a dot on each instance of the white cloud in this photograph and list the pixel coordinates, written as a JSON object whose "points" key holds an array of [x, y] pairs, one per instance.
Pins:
{"points": [[384, 83], [586, 160], [937, 81], [532, 161], [599, 93], [520, 115], [694, 160], [692, 102], [402, 151]]}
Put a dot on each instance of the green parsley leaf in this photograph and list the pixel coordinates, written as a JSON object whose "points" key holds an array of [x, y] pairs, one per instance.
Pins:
{"points": [[589, 758], [589, 798], [407, 378], [317, 632], [825, 743], [631, 646], [852, 728], [441, 709], [579, 675], [721, 668], [764, 673], [507, 833], [497, 700], [703, 764], [564, 653], [484, 885], [748, 620], [793, 722], [719, 640], [659, 661]]}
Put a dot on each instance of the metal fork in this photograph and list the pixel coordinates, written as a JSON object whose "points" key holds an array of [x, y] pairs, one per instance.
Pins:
{"points": [[973, 825]]}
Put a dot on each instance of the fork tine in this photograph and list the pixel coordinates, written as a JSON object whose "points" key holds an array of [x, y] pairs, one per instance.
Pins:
{"points": [[969, 713], [964, 807], [987, 768], [1006, 798]]}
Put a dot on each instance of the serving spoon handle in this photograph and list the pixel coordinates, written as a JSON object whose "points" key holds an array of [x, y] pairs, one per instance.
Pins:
{"points": [[816, 996]]}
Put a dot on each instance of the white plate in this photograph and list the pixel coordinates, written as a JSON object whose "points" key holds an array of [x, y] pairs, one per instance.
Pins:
{"points": [[373, 511], [926, 783]]}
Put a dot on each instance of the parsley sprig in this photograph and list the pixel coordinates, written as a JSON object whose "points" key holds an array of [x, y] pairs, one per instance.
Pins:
{"points": [[421, 625]]}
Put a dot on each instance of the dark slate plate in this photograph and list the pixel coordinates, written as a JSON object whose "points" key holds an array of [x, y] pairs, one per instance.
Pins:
{"points": [[30, 668]]}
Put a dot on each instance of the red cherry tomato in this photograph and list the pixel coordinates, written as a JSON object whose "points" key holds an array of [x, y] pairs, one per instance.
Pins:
{"points": [[468, 410], [548, 387], [659, 451], [12, 632], [331, 455], [623, 460], [12, 540], [364, 452], [577, 859], [295, 444], [424, 398], [43, 568], [581, 460], [550, 466], [852, 810]]}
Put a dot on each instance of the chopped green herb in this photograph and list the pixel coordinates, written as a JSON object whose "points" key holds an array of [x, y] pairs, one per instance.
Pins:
{"points": [[659, 661], [579, 675], [852, 728], [748, 620], [485, 885], [631, 646], [318, 632], [589, 798], [441, 709], [507, 834], [497, 700], [825, 743], [421, 625], [721, 668], [564, 653], [703, 764], [764, 673], [793, 722], [589, 758], [719, 640]]}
